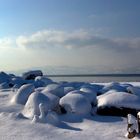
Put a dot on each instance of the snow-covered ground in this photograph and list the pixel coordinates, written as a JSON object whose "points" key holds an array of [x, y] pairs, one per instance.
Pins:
{"points": [[76, 124], [71, 126]]}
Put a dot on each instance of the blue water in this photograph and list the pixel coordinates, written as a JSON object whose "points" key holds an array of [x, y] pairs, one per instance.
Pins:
{"points": [[97, 78]]}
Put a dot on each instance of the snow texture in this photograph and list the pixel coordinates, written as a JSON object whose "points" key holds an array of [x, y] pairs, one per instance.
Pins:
{"points": [[22, 94], [76, 103], [32, 105], [118, 99]]}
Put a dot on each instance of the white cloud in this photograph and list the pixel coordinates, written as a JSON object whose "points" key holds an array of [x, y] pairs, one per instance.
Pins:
{"points": [[6, 42], [86, 47], [75, 39], [70, 40]]}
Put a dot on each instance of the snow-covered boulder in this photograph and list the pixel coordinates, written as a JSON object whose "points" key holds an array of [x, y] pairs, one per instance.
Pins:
{"points": [[95, 87], [76, 85], [68, 89], [30, 75], [54, 100], [113, 86], [22, 94], [90, 94], [134, 90], [118, 103], [31, 107], [41, 81], [75, 103], [55, 89], [17, 81], [4, 85], [4, 77]]}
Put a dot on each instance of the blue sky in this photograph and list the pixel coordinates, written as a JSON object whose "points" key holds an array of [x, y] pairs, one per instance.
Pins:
{"points": [[69, 32]]}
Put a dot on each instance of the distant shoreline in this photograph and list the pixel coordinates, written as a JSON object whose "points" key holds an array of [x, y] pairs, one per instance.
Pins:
{"points": [[95, 75]]}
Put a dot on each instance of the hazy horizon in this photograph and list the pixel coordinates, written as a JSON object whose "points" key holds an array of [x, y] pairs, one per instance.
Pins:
{"points": [[96, 35]]}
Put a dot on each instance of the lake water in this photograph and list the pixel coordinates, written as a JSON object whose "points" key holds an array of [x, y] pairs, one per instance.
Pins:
{"points": [[97, 78]]}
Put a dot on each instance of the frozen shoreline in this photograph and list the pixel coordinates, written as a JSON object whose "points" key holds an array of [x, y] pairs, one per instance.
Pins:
{"points": [[18, 120]]}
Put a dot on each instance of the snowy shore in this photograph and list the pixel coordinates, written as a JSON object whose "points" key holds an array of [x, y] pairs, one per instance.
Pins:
{"points": [[33, 106]]}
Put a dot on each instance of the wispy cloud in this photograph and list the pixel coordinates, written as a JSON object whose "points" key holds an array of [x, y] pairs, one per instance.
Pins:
{"points": [[5, 42]]}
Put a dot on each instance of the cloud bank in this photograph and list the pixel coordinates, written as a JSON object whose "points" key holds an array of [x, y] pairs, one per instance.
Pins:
{"points": [[71, 40], [76, 39]]}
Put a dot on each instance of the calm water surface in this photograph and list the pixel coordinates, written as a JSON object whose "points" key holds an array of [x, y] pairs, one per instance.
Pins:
{"points": [[98, 78]]}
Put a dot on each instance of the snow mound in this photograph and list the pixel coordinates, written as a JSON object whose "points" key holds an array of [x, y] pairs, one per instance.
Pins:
{"points": [[93, 86], [90, 94], [54, 100], [134, 90], [41, 81], [17, 81], [87, 93], [30, 75], [4, 77], [4, 85], [32, 105], [75, 103], [55, 89], [113, 86], [22, 94], [118, 100], [68, 89], [131, 119]]}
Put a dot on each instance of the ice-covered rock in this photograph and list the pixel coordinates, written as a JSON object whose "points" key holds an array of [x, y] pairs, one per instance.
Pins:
{"points": [[55, 89], [17, 81], [87, 93], [22, 94], [30, 75], [41, 81], [95, 87], [4, 85], [4, 77], [54, 100], [75, 103], [113, 86], [90, 94], [31, 107], [68, 89], [134, 90], [119, 99], [118, 103]]}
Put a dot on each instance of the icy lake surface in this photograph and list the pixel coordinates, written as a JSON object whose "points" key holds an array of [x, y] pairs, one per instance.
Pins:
{"points": [[99, 79]]}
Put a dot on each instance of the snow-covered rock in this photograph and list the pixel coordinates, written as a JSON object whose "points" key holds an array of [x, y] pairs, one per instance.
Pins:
{"points": [[55, 89], [90, 94], [4, 85], [113, 86], [68, 89], [87, 93], [31, 107], [30, 75], [17, 81], [4, 77], [22, 94], [75, 103], [134, 90], [119, 99], [54, 100], [95, 87]]}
